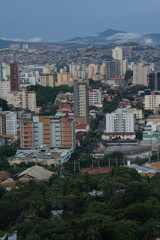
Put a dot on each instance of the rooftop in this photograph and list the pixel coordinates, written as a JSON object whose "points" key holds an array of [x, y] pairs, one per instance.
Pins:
{"points": [[36, 172], [127, 149], [4, 175], [95, 170]]}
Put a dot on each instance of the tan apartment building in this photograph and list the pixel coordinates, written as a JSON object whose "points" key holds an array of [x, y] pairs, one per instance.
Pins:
{"points": [[137, 112], [24, 99], [140, 74], [92, 70], [103, 69], [26, 134], [47, 79], [64, 78], [152, 101], [5, 88]]}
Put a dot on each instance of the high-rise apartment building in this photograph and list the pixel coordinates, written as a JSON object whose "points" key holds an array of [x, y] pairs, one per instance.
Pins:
{"points": [[64, 78], [78, 71], [24, 99], [1, 73], [2, 123], [113, 69], [137, 112], [28, 99], [8, 123], [14, 46], [103, 69], [140, 73], [117, 53], [81, 99], [154, 80], [5, 71], [95, 96], [14, 77], [92, 70], [11, 123], [152, 101], [125, 66], [46, 69], [120, 121], [5, 88], [51, 131], [25, 46], [47, 79], [67, 133], [26, 134]]}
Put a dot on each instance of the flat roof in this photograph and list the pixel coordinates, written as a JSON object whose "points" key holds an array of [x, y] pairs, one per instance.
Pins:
{"points": [[127, 149]]}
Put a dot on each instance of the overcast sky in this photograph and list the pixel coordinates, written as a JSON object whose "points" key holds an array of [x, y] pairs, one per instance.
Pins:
{"points": [[64, 19]]}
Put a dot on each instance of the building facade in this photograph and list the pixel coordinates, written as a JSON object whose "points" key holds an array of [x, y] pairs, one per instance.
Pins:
{"points": [[140, 73], [8, 123], [11, 123], [95, 97], [23, 99], [14, 77], [92, 70], [64, 78], [78, 71], [113, 69], [49, 131], [117, 54], [81, 99], [152, 101], [137, 112], [5, 88], [47, 79], [120, 121], [154, 80]]}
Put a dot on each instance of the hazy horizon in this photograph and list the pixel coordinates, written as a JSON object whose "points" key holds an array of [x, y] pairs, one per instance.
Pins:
{"points": [[54, 20]]}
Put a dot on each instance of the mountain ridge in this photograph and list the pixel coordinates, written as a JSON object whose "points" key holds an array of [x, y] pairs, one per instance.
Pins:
{"points": [[102, 38]]}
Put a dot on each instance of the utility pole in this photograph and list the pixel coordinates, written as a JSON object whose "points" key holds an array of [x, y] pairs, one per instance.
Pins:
{"points": [[92, 163], [74, 166], [98, 162], [123, 160], [116, 161]]}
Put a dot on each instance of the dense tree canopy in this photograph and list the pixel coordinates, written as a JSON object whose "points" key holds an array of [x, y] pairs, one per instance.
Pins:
{"points": [[4, 105], [47, 95], [128, 207]]}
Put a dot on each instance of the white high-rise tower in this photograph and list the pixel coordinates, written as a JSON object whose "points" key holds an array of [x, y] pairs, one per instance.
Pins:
{"points": [[117, 54]]}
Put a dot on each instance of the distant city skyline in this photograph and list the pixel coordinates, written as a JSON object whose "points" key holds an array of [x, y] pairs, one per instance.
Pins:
{"points": [[53, 20]]}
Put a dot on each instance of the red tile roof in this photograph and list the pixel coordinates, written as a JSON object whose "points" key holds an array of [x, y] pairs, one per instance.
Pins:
{"points": [[65, 107], [4, 175], [156, 165], [119, 133], [95, 170]]}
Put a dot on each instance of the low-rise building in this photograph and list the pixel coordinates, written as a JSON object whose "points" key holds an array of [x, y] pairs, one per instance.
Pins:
{"points": [[118, 135], [153, 119], [43, 156], [137, 112], [151, 136]]}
